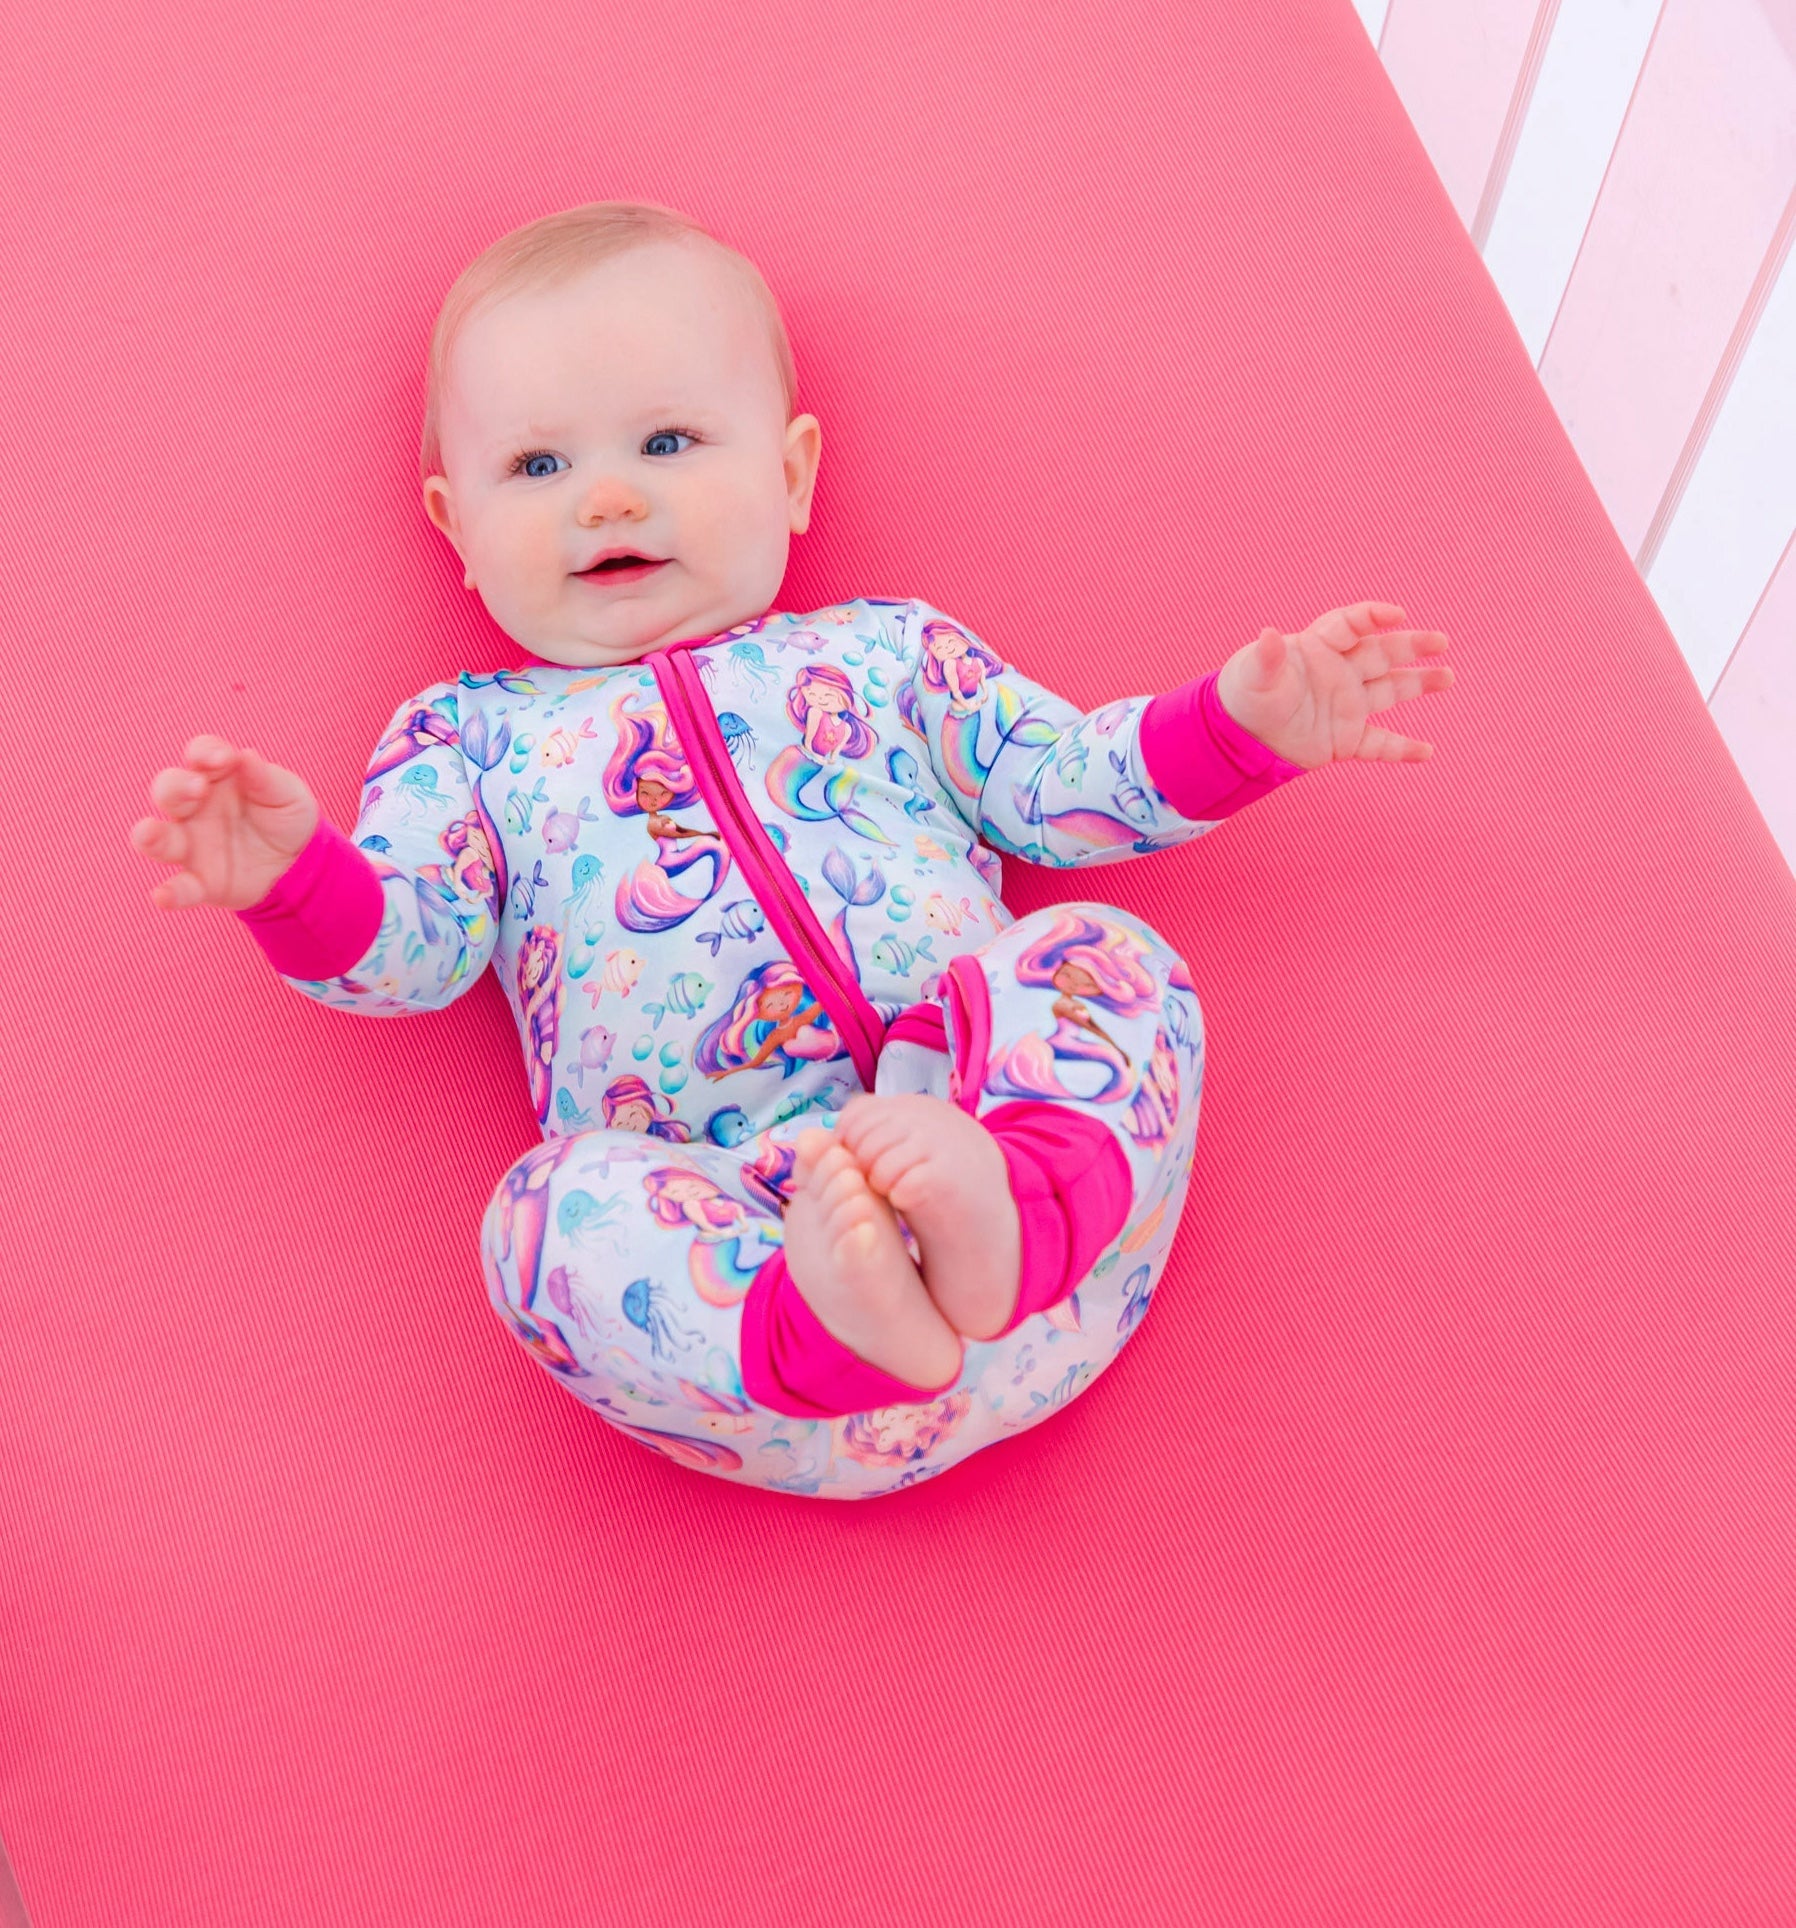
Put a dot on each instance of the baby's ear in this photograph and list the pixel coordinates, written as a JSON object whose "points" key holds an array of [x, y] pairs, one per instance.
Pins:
{"points": [[439, 505], [804, 449]]}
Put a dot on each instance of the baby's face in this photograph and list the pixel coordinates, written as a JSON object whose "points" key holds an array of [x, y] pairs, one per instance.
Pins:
{"points": [[638, 407]]}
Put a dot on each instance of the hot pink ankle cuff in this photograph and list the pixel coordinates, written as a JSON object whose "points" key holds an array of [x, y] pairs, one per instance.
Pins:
{"points": [[324, 910], [793, 1364], [1072, 1186], [919, 1024], [1201, 760]]}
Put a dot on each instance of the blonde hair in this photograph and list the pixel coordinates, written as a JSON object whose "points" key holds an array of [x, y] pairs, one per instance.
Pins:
{"points": [[557, 248]]}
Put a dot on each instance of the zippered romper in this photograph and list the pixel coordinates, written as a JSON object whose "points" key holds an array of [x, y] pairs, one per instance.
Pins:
{"points": [[724, 888]]}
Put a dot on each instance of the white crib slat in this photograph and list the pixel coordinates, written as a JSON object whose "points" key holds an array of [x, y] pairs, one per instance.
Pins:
{"points": [[1632, 164], [1575, 113], [1754, 705], [1736, 515], [1704, 167]]}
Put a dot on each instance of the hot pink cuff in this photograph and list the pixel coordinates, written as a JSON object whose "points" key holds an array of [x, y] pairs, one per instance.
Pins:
{"points": [[1200, 759], [1068, 1174], [324, 910], [1072, 1186], [919, 1024], [793, 1364]]}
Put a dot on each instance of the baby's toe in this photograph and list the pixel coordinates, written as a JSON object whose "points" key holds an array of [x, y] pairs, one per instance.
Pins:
{"points": [[837, 1180], [881, 1123], [810, 1145]]}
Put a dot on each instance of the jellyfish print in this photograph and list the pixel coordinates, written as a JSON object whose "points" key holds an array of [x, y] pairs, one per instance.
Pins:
{"points": [[580, 1214], [748, 662], [649, 1307], [585, 915], [560, 1286], [419, 796], [738, 738]]}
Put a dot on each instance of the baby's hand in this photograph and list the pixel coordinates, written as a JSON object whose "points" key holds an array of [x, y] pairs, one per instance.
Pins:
{"points": [[237, 824], [1307, 697]]}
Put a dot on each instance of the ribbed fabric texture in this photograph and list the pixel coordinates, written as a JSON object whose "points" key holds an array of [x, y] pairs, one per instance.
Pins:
{"points": [[1070, 1182], [1425, 1557]]}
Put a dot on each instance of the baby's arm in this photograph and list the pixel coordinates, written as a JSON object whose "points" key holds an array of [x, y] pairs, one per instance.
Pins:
{"points": [[386, 922], [1035, 777], [414, 883]]}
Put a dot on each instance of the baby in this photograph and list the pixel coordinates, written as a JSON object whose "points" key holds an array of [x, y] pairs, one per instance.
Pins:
{"points": [[845, 1171]]}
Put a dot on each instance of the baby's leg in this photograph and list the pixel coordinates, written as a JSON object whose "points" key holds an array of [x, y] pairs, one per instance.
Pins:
{"points": [[652, 1279], [620, 1262], [1063, 1103]]}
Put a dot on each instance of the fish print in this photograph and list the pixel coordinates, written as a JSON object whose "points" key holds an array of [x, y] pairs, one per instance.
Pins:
{"points": [[622, 969], [520, 806], [686, 994], [744, 918], [897, 955], [562, 746], [561, 828], [948, 917], [597, 1042]]}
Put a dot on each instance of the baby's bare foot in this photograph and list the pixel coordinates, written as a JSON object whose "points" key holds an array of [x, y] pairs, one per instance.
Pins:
{"points": [[943, 1170], [846, 1256]]}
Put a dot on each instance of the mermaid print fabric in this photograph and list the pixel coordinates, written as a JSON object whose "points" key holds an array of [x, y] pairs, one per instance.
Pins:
{"points": [[549, 823]]}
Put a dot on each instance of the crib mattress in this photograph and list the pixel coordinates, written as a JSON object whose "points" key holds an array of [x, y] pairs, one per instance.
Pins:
{"points": [[1426, 1555]]}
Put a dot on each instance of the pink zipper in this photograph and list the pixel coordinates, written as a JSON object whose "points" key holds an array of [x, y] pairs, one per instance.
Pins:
{"points": [[770, 877]]}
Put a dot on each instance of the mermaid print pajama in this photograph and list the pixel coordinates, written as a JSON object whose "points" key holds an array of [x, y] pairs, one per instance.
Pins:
{"points": [[724, 888]]}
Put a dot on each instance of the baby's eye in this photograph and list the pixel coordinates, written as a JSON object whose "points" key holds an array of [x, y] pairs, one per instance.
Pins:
{"points": [[526, 464], [667, 435]]}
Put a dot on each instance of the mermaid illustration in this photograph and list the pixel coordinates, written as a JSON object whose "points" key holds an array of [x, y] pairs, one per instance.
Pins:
{"points": [[629, 1105], [539, 1010], [807, 779], [1080, 958], [773, 1015], [902, 1435], [472, 874], [418, 730], [1125, 825], [725, 1254], [648, 776], [457, 898], [829, 715], [770, 1172], [980, 723], [957, 664], [1156, 1107]]}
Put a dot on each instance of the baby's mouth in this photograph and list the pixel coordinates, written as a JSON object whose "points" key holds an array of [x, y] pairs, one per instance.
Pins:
{"points": [[622, 569]]}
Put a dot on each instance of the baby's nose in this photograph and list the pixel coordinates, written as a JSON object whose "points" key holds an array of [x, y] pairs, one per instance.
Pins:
{"points": [[609, 497]]}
